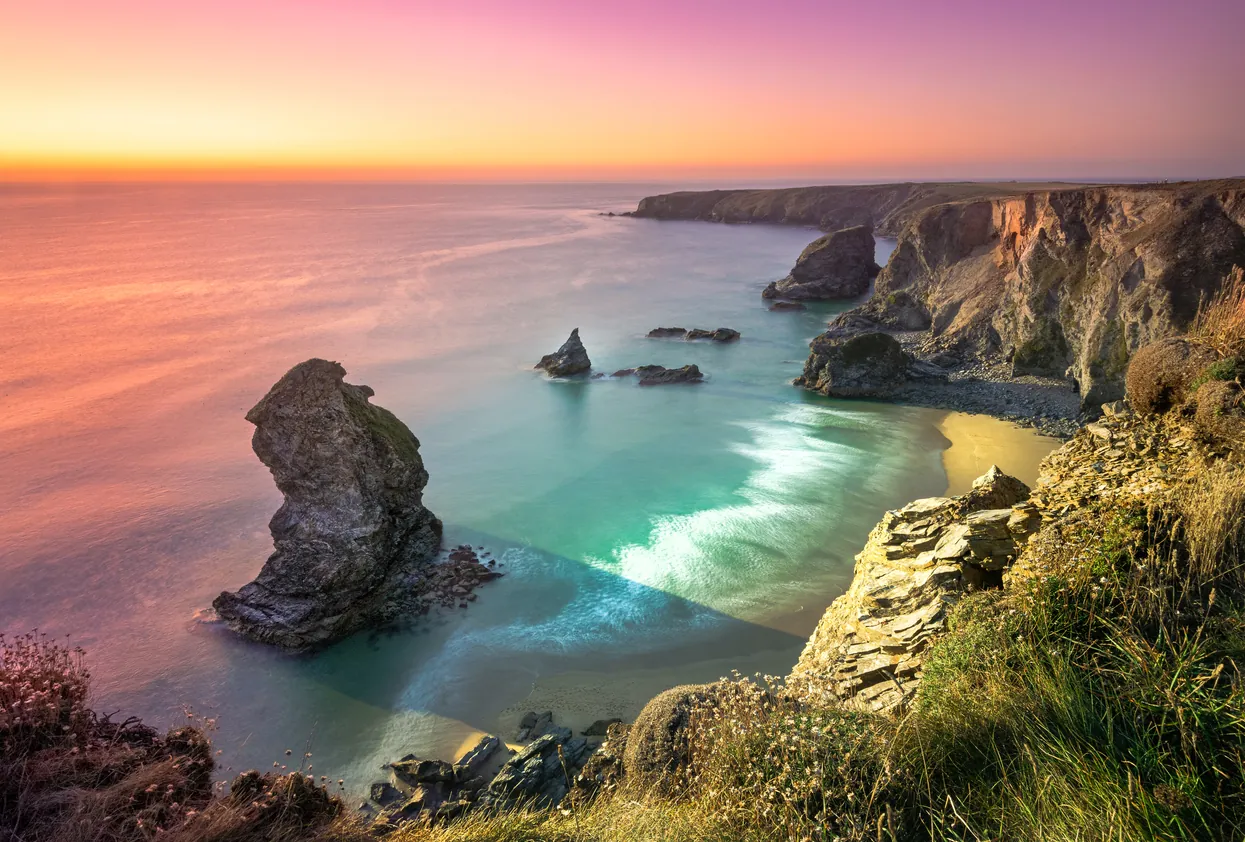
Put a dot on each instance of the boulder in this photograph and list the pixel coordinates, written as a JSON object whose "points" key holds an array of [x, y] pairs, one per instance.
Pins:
{"points": [[352, 529], [1159, 373], [601, 727], [835, 266], [667, 333], [540, 775], [570, 359], [853, 366]]}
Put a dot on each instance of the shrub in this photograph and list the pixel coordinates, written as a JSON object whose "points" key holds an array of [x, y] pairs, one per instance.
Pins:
{"points": [[43, 691], [1159, 374]]}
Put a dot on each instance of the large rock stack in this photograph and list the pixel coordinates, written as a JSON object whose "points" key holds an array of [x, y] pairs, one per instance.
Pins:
{"points": [[352, 530]]}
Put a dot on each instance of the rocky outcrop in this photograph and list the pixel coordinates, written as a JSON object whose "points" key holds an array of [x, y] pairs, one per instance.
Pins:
{"points": [[868, 648], [352, 533], [1052, 280], [855, 365], [722, 334], [1066, 281], [489, 776], [780, 306], [656, 375], [568, 360], [834, 266]]}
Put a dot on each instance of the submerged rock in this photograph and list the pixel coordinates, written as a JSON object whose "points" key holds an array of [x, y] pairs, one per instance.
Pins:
{"points": [[353, 526], [779, 306], [667, 333], [837, 265], [570, 359]]}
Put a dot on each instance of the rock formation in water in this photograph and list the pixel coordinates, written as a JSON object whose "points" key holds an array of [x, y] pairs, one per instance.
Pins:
{"points": [[835, 266], [352, 530], [656, 375], [864, 365], [722, 334], [780, 306], [570, 359]]}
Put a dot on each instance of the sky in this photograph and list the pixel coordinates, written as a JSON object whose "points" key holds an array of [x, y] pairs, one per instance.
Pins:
{"points": [[622, 89]]}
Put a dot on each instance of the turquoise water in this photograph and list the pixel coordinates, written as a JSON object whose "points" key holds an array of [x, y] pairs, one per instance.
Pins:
{"points": [[666, 533]]}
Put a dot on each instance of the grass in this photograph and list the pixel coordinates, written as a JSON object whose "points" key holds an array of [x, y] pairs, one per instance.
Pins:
{"points": [[1220, 321]]}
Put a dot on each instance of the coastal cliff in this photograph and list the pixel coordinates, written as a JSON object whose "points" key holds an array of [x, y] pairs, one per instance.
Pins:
{"points": [[1068, 281], [887, 208], [1021, 280]]}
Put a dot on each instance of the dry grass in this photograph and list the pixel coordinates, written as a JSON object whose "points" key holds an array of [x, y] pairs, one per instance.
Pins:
{"points": [[1220, 322]]}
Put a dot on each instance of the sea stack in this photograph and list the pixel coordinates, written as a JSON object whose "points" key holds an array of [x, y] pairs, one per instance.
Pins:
{"points": [[837, 265], [570, 359], [352, 532]]}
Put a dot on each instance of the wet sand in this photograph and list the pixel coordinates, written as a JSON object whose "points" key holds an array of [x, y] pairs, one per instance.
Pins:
{"points": [[979, 441]]}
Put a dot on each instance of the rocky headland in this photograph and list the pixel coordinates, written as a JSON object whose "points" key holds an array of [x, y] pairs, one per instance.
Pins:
{"points": [[1020, 294], [355, 547], [834, 266]]}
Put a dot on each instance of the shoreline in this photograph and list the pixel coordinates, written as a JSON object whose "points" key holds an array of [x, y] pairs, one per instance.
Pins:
{"points": [[978, 441]]}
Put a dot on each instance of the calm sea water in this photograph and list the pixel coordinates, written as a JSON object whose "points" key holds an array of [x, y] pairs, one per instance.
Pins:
{"points": [[674, 530]]}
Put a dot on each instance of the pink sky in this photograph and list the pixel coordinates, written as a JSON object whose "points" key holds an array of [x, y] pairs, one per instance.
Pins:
{"points": [[551, 88]]}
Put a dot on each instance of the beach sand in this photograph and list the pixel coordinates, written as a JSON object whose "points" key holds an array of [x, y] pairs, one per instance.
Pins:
{"points": [[979, 441]]}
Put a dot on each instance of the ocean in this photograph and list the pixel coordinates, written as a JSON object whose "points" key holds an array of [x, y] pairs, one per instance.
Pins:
{"points": [[650, 536]]}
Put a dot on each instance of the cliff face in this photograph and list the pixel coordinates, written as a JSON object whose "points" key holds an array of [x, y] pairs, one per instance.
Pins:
{"points": [[1072, 280]]}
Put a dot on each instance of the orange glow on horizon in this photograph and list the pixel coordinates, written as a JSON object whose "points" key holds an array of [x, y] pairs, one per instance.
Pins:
{"points": [[550, 88]]}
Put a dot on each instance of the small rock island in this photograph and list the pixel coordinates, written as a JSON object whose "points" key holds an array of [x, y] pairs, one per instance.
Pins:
{"points": [[835, 266], [570, 359]]}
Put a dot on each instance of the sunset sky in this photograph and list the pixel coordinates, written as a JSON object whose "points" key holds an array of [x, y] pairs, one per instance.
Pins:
{"points": [[622, 89]]}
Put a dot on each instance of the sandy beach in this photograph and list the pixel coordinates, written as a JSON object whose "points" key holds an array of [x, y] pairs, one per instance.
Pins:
{"points": [[979, 441]]}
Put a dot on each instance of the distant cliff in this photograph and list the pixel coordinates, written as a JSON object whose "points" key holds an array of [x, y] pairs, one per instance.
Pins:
{"points": [[887, 208]]}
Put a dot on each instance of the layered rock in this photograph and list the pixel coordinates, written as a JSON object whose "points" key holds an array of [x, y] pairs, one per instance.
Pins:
{"points": [[570, 359], [352, 531], [868, 648], [834, 266]]}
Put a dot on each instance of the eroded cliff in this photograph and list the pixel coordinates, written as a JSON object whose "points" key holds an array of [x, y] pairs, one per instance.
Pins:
{"points": [[1068, 281]]}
